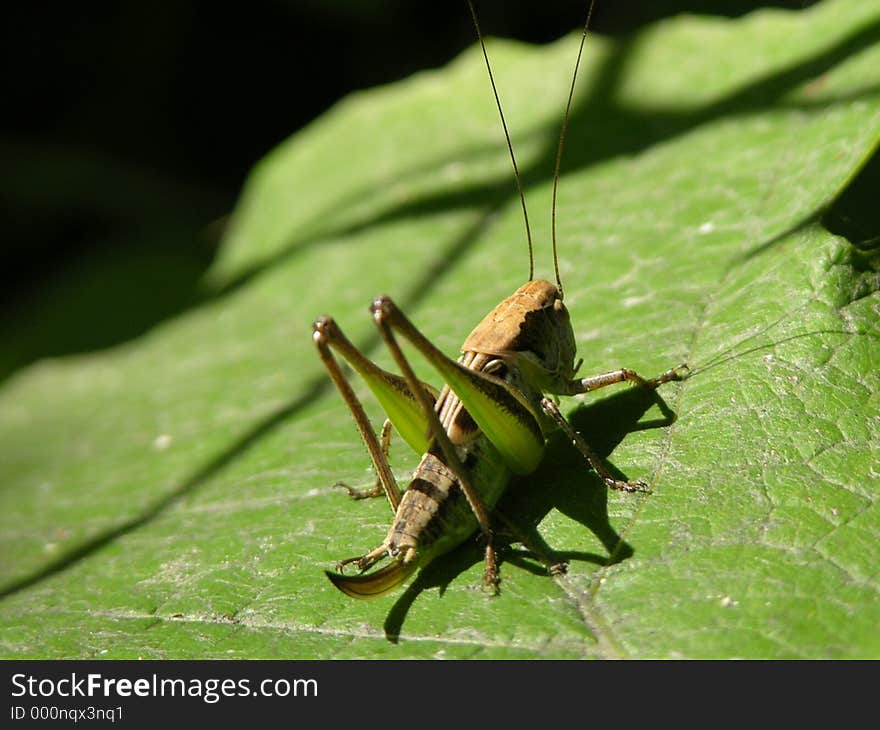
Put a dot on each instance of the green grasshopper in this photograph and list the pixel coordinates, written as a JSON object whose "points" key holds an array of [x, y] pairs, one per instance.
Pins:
{"points": [[489, 422]]}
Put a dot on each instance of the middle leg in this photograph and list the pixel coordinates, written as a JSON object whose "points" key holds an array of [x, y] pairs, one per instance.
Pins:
{"points": [[593, 459]]}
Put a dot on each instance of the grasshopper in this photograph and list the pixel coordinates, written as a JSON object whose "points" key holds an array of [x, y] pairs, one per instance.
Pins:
{"points": [[489, 422]]}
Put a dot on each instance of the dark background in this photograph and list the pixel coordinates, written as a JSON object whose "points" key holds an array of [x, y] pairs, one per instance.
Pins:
{"points": [[129, 127]]}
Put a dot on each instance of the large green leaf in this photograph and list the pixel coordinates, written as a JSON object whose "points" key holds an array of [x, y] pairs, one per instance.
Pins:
{"points": [[171, 496]]}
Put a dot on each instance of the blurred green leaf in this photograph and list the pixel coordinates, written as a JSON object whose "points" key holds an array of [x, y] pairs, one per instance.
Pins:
{"points": [[171, 496]]}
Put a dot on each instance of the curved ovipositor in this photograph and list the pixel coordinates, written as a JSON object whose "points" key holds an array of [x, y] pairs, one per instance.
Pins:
{"points": [[375, 584]]}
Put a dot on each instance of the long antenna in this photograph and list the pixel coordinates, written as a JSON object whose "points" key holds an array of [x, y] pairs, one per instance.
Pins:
{"points": [[519, 184], [562, 144]]}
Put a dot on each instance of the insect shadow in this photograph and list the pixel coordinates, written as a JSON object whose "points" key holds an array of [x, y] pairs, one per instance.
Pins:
{"points": [[563, 482]]}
